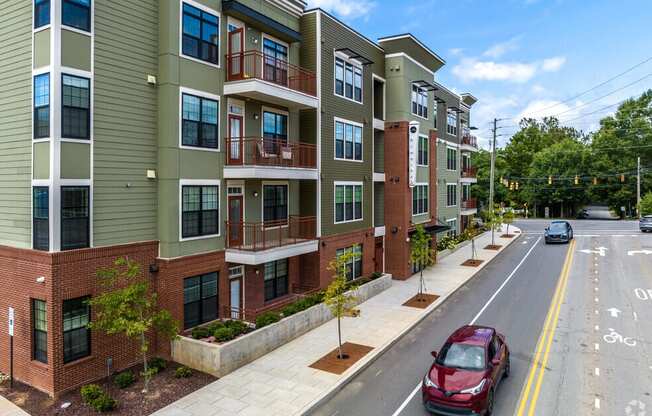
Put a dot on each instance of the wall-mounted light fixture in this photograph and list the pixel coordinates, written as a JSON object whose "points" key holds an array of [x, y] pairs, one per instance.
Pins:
{"points": [[394, 229], [255, 194], [256, 116], [40, 279]]}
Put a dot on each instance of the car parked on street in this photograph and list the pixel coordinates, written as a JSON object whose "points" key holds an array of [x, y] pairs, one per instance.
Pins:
{"points": [[466, 372], [583, 214], [645, 223], [558, 232]]}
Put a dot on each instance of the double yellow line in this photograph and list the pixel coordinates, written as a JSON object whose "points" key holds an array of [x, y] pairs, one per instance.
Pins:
{"points": [[537, 370]]}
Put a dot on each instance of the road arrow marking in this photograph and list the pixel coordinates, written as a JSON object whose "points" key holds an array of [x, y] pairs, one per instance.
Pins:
{"points": [[602, 251], [614, 312], [633, 252]]}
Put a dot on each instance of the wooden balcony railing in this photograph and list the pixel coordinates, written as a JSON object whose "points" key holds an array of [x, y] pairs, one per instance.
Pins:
{"points": [[469, 140], [257, 65], [258, 151], [258, 236], [470, 203], [469, 172]]}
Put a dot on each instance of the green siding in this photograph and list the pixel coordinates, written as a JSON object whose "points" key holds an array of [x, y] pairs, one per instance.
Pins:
{"points": [[41, 165], [16, 116], [446, 176], [76, 47], [75, 161], [42, 48], [379, 204], [125, 129], [414, 50]]}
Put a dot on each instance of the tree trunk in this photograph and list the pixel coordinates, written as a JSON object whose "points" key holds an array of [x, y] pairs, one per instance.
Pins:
{"points": [[339, 338], [421, 282], [508, 229], [145, 372]]}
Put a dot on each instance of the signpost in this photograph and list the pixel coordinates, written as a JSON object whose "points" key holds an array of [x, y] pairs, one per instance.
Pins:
{"points": [[11, 347]]}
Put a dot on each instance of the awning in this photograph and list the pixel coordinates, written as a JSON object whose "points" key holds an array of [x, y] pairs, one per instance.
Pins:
{"points": [[432, 229], [351, 54], [423, 84]]}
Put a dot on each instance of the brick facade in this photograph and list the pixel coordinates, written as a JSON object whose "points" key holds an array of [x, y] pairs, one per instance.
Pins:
{"points": [[329, 245]]}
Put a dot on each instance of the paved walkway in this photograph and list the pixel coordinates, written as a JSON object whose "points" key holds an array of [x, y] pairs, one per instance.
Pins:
{"points": [[7, 408], [282, 383]]}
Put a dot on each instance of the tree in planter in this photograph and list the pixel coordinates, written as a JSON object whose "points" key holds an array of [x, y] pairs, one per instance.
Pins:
{"points": [[128, 307], [646, 204], [339, 296], [421, 255], [508, 218], [495, 223]]}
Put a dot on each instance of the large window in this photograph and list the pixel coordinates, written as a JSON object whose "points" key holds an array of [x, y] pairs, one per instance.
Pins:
{"points": [[275, 130], [348, 141], [40, 331], [348, 80], [77, 14], [76, 335], [275, 57], [41, 13], [451, 123], [466, 192], [199, 299], [420, 199], [276, 279], [419, 101], [453, 228], [275, 203], [348, 203], [200, 210], [451, 158], [74, 217], [451, 195], [354, 265], [42, 106], [200, 122], [200, 34], [76, 114], [41, 218], [423, 151]]}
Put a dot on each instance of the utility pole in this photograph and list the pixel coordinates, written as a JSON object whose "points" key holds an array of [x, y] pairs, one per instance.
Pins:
{"points": [[493, 163], [638, 187]]}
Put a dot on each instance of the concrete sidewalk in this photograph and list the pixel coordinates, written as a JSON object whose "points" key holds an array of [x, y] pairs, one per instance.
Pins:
{"points": [[282, 383], [7, 408]]}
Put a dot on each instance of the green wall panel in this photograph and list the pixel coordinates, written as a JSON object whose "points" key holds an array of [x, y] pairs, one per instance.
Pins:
{"points": [[42, 48], [41, 164], [76, 49], [75, 160]]}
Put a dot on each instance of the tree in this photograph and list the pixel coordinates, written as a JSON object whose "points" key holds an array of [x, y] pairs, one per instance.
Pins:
{"points": [[421, 255], [128, 307], [646, 204], [339, 295], [508, 218], [494, 222]]}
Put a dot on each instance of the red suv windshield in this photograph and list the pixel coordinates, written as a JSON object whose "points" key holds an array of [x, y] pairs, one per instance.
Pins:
{"points": [[463, 356]]}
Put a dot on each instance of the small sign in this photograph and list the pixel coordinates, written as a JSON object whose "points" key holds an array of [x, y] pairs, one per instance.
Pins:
{"points": [[11, 322], [413, 143]]}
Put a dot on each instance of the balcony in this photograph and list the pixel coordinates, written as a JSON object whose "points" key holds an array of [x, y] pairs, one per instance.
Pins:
{"points": [[469, 143], [469, 206], [469, 174], [266, 78], [261, 242], [258, 157]]}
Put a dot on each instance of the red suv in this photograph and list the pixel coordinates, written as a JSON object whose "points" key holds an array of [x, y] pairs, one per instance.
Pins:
{"points": [[466, 372]]}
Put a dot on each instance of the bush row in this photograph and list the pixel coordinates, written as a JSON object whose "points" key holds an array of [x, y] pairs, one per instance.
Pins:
{"points": [[98, 399], [222, 331]]}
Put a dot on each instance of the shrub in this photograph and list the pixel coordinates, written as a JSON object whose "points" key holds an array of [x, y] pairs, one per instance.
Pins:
{"points": [[90, 392], [376, 275], [214, 327], [267, 318], [238, 327], [200, 332], [104, 403], [182, 372], [224, 334], [156, 364], [124, 379], [446, 243]]}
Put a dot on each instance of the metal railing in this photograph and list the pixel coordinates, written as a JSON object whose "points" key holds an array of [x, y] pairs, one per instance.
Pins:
{"points": [[469, 172], [258, 236], [470, 203], [258, 151], [469, 140], [257, 65]]}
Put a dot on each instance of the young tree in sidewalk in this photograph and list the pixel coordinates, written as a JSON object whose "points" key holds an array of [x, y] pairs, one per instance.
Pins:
{"points": [[339, 295], [127, 306], [421, 254], [494, 222], [508, 218], [646, 204]]}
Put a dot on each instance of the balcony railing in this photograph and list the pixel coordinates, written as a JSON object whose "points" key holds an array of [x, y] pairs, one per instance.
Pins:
{"points": [[258, 151], [258, 236], [257, 65], [469, 140], [469, 172], [470, 203]]}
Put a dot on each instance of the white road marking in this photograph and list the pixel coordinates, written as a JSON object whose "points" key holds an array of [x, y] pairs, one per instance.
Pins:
{"points": [[642, 294], [635, 316], [597, 346], [596, 289], [524, 242], [491, 299], [597, 327], [596, 371], [597, 312], [597, 403], [633, 252], [379, 372], [614, 312], [597, 300], [602, 251], [596, 279]]}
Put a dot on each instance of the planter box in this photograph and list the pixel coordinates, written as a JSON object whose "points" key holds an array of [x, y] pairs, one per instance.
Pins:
{"points": [[222, 359]]}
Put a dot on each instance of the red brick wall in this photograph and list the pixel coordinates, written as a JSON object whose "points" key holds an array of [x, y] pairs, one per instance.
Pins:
{"points": [[329, 245]]}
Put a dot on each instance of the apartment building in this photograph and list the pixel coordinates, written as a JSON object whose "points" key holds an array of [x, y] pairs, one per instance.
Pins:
{"points": [[231, 147]]}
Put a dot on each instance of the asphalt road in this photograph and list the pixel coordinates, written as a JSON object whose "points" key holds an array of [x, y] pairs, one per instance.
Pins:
{"points": [[569, 382]]}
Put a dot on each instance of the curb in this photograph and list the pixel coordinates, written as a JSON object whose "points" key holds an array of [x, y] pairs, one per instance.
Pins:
{"points": [[383, 348]]}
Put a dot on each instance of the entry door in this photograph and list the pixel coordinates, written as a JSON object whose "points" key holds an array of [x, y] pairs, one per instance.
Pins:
{"points": [[378, 255], [236, 55], [236, 139], [235, 221], [235, 297]]}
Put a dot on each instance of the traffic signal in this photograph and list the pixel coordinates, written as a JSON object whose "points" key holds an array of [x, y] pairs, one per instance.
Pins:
{"points": [[622, 177], [549, 180], [577, 180], [595, 181], [516, 187]]}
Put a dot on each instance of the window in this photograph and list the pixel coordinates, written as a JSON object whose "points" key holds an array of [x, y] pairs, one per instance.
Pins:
{"points": [[276, 279], [42, 106], [453, 225], [200, 210], [348, 203], [275, 56], [200, 125], [76, 336], [74, 217], [423, 151], [451, 158], [348, 80], [466, 192], [77, 14], [41, 218], [40, 334], [348, 141], [419, 101], [199, 299], [354, 265], [420, 200], [76, 115], [275, 131], [41, 13], [451, 195], [275, 203], [451, 123], [200, 35]]}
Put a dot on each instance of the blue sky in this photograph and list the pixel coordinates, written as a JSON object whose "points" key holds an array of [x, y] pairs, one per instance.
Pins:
{"points": [[522, 57]]}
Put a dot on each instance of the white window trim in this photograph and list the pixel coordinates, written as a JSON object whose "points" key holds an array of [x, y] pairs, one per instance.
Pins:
{"points": [[91, 33], [344, 183], [384, 82], [262, 202], [207, 95], [266, 109], [91, 87], [355, 63], [355, 124], [219, 31], [426, 106], [448, 184], [424, 136], [453, 229], [456, 155], [76, 182], [427, 185], [200, 182]]}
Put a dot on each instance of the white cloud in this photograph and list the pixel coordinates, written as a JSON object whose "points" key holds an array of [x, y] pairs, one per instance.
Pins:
{"points": [[472, 69], [538, 89], [499, 49], [483, 113], [553, 64], [343, 8], [456, 51]]}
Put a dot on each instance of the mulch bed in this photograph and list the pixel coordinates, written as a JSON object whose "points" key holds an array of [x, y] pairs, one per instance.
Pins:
{"points": [[472, 263], [163, 390], [352, 354], [494, 247], [421, 301], [507, 236]]}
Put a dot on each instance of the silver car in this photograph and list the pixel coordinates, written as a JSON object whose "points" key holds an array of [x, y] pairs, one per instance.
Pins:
{"points": [[645, 224]]}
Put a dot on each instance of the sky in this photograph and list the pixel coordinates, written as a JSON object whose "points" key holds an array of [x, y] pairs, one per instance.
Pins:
{"points": [[522, 57]]}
